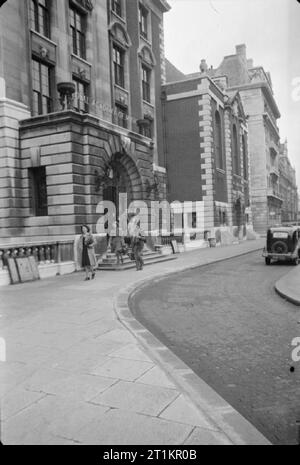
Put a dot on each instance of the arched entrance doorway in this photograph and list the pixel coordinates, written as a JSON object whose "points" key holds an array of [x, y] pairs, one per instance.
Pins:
{"points": [[122, 177]]}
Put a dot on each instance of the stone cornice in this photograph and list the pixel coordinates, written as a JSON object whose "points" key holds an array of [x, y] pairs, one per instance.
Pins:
{"points": [[71, 116], [163, 5]]}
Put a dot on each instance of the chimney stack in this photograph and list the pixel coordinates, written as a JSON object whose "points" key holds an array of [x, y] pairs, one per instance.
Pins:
{"points": [[241, 51]]}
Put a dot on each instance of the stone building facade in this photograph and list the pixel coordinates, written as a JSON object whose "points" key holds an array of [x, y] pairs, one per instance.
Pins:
{"points": [[206, 139], [80, 113], [287, 187]]}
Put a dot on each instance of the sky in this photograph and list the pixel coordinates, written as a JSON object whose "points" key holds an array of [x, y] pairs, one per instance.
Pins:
{"points": [[210, 29]]}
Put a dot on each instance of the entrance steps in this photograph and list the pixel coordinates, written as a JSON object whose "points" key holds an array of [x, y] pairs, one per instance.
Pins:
{"points": [[109, 261]]}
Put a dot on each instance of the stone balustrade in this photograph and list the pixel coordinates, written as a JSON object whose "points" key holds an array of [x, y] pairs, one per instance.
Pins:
{"points": [[43, 252]]}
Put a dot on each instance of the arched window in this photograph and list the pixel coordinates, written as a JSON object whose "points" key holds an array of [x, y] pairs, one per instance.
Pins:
{"points": [[218, 141], [245, 158], [235, 151]]}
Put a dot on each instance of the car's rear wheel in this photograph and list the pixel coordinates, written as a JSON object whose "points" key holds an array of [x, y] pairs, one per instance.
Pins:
{"points": [[268, 261], [279, 247], [296, 261]]}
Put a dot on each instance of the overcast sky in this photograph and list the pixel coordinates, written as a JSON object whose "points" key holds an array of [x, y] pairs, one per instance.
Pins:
{"points": [[210, 29]]}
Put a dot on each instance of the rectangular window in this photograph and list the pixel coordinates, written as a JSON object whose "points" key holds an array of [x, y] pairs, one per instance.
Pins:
{"points": [[40, 17], [78, 31], [146, 83], [81, 97], [38, 190], [117, 7], [146, 130], [143, 21], [121, 116], [41, 86], [118, 61]]}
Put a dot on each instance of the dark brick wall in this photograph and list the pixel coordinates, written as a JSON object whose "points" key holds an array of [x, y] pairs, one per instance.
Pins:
{"points": [[184, 86], [183, 150]]}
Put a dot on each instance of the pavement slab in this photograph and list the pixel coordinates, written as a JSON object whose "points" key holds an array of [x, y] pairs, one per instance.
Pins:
{"points": [[128, 370], [121, 427], [139, 398]]}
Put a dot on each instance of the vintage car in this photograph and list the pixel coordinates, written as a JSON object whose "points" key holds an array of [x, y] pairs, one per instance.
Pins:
{"points": [[283, 243]]}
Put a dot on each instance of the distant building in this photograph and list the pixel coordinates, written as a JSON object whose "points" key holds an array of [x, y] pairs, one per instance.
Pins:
{"points": [[255, 88], [80, 111], [237, 74], [206, 143], [287, 186]]}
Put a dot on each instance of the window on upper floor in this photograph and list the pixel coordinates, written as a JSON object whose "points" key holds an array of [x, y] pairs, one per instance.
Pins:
{"points": [[119, 65], [143, 21], [146, 130], [121, 115], [245, 157], [40, 17], [235, 151], [81, 97], [218, 141], [78, 32], [38, 191], [146, 83], [116, 6], [41, 87]]}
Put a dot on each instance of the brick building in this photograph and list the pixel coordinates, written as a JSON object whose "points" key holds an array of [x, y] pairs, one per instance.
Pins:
{"points": [[287, 186], [207, 150], [80, 113]]}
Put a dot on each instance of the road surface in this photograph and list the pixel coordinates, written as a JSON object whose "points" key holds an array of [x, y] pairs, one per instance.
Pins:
{"points": [[227, 323]]}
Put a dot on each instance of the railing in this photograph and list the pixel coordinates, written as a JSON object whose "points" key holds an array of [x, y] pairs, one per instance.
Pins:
{"points": [[43, 252], [166, 240]]}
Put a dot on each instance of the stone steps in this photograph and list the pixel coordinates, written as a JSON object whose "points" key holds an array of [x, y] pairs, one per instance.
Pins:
{"points": [[109, 263]]}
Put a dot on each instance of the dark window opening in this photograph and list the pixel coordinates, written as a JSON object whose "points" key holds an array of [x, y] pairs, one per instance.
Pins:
{"points": [[118, 62], [38, 191], [143, 21], [40, 17], [146, 130], [41, 86], [121, 116], [245, 158], [235, 151], [218, 141], [146, 83], [78, 30], [81, 96], [117, 7]]}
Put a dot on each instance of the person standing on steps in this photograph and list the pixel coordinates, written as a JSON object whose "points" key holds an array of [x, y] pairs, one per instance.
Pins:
{"points": [[137, 244], [118, 245], [88, 257]]}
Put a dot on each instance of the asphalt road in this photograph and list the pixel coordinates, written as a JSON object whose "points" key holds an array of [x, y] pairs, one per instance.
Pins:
{"points": [[227, 323]]}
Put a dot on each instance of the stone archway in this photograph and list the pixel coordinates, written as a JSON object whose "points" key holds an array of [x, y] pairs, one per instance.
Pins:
{"points": [[124, 179]]}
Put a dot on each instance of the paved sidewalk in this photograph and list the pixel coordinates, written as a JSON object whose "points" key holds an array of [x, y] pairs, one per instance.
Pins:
{"points": [[288, 286], [75, 375]]}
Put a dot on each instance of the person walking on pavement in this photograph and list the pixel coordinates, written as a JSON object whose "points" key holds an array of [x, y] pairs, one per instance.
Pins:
{"points": [[88, 257], [137, 245]]}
